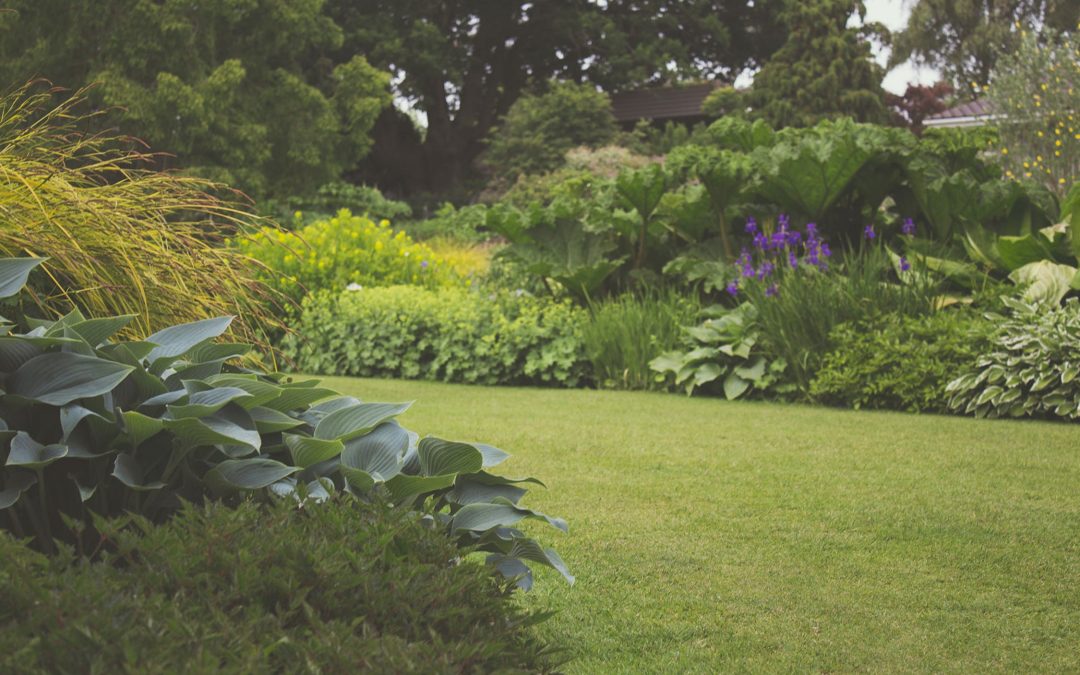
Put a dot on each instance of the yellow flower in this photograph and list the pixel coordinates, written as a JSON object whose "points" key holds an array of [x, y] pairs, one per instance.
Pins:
{"points": [[378, 246], [1004, 151]]}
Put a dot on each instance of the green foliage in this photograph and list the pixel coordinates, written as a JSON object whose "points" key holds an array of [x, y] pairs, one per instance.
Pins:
{"points": [[465, 224], [330, 198], [1030, 369], [1036, 92], [965, 40], [119, 238], [626, 332], [724, 101], [724, 354], [248, 93], [95, 427], [798, 318], [900, 362], [539, 129], [329, 587], [343, 250], [450, 335], [824, 69]]}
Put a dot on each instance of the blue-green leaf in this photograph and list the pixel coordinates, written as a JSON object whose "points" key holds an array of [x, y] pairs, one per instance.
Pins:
{"points": [[14, 272], [438, 457], [59, 378], [176, 341], [357, 420]]}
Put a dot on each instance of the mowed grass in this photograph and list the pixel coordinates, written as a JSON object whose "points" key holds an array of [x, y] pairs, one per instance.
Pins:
{"points": [[712, 536]]}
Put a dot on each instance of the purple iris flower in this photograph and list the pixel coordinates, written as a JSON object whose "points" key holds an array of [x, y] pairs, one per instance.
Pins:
{"points": [[868, 232], [760, 240], [792, 259], [732, 289], [904, 264], [751, 225], [908, 227], [771, 291], [765, 270], [825, 250], [423, 263]]}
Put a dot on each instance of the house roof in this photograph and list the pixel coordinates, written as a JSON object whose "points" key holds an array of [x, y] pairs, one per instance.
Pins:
{"points": [[972, 113], [661, 103]]}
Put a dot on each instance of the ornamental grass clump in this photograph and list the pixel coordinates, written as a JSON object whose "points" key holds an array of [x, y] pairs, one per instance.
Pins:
{"points": [[120, 238]]}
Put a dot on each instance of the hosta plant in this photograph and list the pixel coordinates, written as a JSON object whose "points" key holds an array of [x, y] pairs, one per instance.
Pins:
{"points": [[89, 425], [1032, 370], [724, 349]]}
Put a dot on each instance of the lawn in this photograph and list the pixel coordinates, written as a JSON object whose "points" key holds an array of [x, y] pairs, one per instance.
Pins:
{"points": [[713, 536]]}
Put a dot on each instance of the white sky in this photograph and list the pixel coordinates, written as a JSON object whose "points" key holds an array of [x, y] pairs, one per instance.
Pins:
{"points": [[894, 14]]}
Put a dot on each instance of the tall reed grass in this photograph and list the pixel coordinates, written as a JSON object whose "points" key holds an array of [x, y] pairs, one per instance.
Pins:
{"points": [[630, 330], [120, 237]]}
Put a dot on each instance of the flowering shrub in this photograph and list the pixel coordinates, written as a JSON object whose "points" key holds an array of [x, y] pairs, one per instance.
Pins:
{"points": [[343, 250], [449, 334]]}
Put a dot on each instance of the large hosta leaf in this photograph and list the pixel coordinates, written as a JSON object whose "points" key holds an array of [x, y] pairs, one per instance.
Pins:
{"points": [[248, 474], [61, 377], [231, 425], [129, 471], [438, 457], [379, 453], [176, 341], [14, 484], [14, 273], [482, 517], [96, 331], [402, 487], [27, 452], [357, 420], [203, 403], [307, 451]]}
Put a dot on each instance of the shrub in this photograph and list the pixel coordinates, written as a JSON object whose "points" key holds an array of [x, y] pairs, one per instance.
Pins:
{"points": [[120, 238], [538, 130], [449, 335], [625, 333], [900, 362], [331, 588], [465, 224], [724, 354], [89, 426], [1030, 369], [330, 198], [343, 250]]}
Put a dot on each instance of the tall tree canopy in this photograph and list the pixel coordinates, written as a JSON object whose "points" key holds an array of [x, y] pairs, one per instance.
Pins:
{"points": [[253, 92], [965, 38], [824, 69], [464, 62]]}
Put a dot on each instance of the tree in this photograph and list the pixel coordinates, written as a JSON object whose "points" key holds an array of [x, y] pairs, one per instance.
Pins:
{"points": [[918, 102], [824, 69], [964, 38], [540, 128], [464, 63], [244, 91]]}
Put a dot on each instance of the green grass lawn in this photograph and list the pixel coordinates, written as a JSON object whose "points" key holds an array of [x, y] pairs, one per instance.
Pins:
{"points": [[710, 536]]}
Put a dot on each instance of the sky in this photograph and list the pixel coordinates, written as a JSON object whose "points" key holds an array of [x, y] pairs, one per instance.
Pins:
{"points": [[894, 14]]}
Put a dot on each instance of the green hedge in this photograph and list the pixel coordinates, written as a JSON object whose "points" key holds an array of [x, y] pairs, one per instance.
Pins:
{"points": [[900, 362], [339, 587], [449, 334]]}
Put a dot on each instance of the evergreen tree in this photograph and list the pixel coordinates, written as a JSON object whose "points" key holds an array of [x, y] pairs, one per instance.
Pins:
{"points": [[824, 69]]}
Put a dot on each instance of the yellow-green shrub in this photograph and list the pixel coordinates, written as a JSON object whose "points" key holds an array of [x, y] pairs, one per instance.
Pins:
{"points": [[344, 250], [450, 334]]}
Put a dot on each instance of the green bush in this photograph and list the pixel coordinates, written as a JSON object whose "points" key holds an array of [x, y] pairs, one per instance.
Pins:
{"points": [[449, 334], [538, 130], [343, 250], [1030, 369], [900, 362], [94, 427], [330, 198], [463, 224], [336, 587], [625, 333]]}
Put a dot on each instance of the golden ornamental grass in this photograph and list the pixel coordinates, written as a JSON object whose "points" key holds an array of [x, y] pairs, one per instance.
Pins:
{"points": [[121, 237]]}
